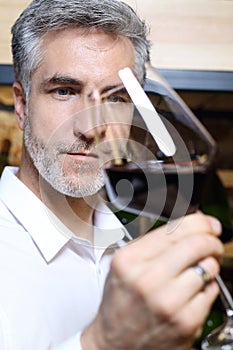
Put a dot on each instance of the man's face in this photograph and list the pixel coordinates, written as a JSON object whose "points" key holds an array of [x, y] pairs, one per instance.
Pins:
{"points": [[79, 70]]}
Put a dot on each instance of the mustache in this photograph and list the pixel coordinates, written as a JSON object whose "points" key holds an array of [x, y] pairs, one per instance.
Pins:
{"points": [[75, 147], [81, 147]]}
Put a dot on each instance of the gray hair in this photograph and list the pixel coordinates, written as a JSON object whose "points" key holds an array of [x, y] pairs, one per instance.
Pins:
{"points": [[42, 16]]}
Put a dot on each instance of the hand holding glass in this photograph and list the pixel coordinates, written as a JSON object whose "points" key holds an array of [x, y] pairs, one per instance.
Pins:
{"points": [[156, 159]]}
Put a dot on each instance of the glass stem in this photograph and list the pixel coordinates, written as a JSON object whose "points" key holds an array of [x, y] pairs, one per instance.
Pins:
{"points": [[225, 294]]}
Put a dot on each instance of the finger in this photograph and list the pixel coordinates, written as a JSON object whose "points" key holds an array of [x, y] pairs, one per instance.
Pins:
{"points": [[188, 252], [194, 223], [186, 286], [159, 283], [193, 315], [145, 269], [158, 240], [183, 251], [174, 259]]}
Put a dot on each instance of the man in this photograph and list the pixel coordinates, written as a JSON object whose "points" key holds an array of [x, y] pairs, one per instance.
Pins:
{"points": [[58, 244]]}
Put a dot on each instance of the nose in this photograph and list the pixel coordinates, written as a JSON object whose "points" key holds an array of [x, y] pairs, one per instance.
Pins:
{"points": [[90, 124]]}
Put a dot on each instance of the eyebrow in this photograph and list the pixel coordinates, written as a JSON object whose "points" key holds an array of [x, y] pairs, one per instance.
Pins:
{"points": [[61, 79], [67, 80], [120, 89]]}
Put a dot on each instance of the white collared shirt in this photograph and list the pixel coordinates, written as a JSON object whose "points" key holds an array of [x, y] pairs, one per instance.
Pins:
{"points": [[51, 281]]}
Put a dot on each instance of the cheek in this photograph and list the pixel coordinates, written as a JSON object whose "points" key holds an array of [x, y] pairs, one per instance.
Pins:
{"points": [[53, 119], [45, 123]]}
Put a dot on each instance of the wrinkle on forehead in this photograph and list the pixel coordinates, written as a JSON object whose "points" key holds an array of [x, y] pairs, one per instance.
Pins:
{"points": [[85, 55], [105, 48], [98, 40]]}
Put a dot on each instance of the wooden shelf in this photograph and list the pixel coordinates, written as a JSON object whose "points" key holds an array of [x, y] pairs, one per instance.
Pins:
{"points": [[185, 35], [179, 79]]}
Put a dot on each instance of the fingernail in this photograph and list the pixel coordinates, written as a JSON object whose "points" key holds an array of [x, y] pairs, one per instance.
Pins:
{"points": [[216, 225]]}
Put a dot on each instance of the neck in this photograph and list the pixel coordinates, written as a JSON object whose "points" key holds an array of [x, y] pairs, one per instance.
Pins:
{"points": [[76, 213]]}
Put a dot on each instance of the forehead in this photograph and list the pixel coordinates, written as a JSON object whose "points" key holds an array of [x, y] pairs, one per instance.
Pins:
{"points": [[93, 49]]}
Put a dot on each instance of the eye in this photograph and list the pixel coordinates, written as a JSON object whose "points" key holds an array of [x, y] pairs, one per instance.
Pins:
{"points": [[63, 91], [116, 98]]}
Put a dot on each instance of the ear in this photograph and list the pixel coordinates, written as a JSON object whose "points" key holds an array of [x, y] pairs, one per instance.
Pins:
{"points": [[19, 103]]}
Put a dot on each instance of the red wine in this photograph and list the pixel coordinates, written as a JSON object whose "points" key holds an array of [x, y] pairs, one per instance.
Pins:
{"points": [[156, 189]]}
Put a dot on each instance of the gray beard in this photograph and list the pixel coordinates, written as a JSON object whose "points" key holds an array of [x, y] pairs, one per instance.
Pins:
{"points": [[83, 180]]}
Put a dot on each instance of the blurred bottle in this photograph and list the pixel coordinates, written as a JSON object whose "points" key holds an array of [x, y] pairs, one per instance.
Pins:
{"points": [[214, 202]]}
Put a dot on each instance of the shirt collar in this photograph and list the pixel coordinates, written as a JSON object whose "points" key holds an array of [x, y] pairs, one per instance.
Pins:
{"points": [[46, 230]]}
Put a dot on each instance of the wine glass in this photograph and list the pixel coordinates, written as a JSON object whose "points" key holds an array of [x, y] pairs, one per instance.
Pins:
{"points": [[222, 337], [156, 160]]}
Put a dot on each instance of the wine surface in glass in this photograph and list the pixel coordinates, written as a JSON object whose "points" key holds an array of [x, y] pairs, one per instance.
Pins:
{"points": [[156, 189]]}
